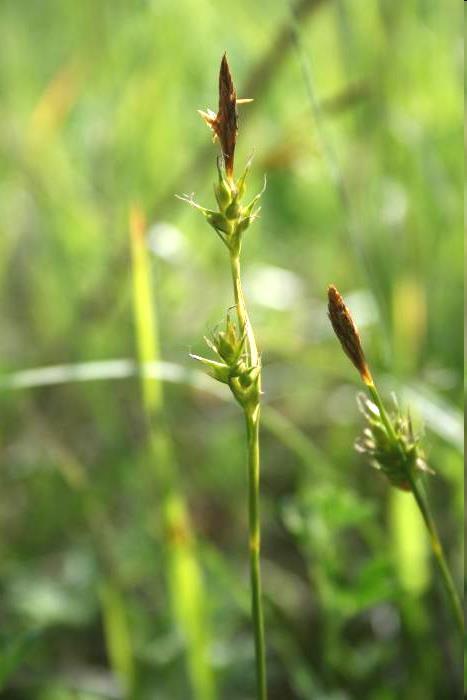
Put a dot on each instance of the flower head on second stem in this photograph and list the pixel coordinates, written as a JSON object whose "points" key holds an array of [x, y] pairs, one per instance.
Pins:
{"points": [[347, 333], [393, 455], [388, 441]]}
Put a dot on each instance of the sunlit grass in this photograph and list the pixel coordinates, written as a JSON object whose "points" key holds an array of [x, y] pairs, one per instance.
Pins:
{"points": [[98, 112]]}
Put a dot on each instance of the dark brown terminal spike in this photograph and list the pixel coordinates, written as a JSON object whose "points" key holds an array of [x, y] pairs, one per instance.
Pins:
{"points": [[346, 331], [224, 124], [227, 116]]}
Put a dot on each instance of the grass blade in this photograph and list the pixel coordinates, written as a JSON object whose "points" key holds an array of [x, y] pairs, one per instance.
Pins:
{"points": [[184, 577]]}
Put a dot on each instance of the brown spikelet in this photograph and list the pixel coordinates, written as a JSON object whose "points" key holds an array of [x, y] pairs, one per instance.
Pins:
{"points": [[227, 116], [345, 329], [225, 123]]}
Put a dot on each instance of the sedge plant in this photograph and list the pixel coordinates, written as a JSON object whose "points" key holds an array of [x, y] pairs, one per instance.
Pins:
{"points": [[390, 442], [238, 362]]}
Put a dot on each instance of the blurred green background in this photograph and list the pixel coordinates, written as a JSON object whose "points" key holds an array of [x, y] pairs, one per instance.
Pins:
{"points": [[123, 514]]}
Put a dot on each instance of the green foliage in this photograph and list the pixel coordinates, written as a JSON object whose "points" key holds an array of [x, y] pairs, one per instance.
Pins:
{"points": [[98, 112], [14, 651]]}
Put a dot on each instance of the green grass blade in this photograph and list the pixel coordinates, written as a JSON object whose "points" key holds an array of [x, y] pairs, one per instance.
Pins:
{"points": [[184, 572]]}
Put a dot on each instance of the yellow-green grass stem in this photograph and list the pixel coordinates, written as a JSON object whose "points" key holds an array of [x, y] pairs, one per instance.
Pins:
{"points": [[184, 577]]}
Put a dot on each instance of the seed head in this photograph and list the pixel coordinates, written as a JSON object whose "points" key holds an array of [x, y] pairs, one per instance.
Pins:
{"points": [[346, 331], [224, 124], [398, 456]]}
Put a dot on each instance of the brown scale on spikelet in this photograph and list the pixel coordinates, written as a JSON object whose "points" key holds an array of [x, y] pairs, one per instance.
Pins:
{"points": [[346, 331], [224, 124]]}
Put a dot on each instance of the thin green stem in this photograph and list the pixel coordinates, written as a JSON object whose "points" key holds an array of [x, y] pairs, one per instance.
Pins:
{"points": [[382, 411], [438, 551], [252, 418], [252, 426], [242, 313], [420, 497]]}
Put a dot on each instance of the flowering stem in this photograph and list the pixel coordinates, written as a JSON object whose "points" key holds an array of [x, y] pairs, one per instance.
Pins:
{"points": [[252, 418], [242, 313], [252, 426], [422, 503], [382, 411], [420, 497]]}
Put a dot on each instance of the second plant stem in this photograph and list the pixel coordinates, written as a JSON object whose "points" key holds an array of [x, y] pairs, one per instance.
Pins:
{"points": [[252, 419], [438, 551], [418, 493]]}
